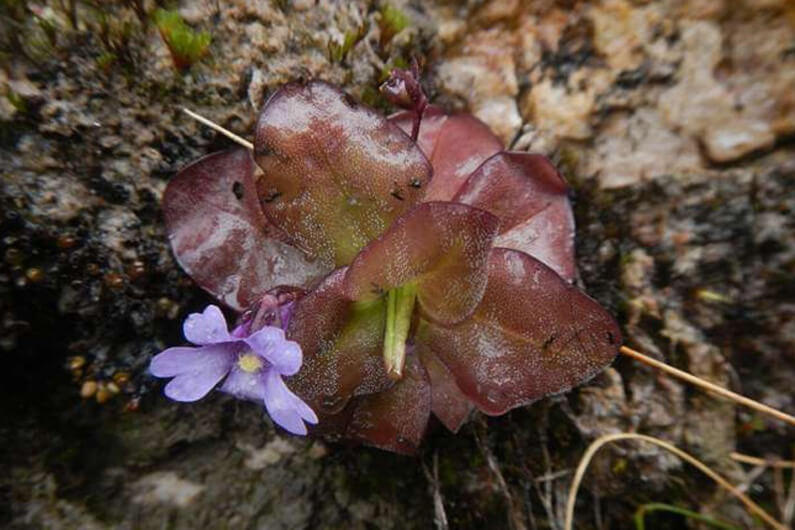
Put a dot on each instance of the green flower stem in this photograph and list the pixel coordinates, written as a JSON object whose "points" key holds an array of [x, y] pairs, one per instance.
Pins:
{"points": [[399, 308]]}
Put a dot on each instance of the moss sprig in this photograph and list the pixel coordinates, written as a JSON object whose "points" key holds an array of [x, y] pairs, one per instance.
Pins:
{"points": [[185, 45]]}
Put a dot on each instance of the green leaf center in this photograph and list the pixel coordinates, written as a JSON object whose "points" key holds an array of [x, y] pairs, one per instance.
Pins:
{"points": [[399, 310]]}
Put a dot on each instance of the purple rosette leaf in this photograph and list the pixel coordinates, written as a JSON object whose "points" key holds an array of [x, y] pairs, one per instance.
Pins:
{"points": [[455, 144], [337, 173], [342, 342], [448, 402], [442, 247], [531, 199], [532, 335], [395, 419], [220, 236]]}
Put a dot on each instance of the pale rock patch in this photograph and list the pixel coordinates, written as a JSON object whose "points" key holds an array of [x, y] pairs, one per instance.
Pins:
{"points": [[166, 487], [267, 455]]}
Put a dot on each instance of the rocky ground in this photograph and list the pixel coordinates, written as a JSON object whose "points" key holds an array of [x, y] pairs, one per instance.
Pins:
{"points": [[672, 120]]}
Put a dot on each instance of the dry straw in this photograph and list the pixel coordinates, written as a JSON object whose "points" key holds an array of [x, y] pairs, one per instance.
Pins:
{"points": [[212, 125], [709, 387], [722, 482]]}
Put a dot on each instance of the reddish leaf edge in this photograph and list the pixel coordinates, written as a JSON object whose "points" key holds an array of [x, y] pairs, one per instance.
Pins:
{"points": [[495, 412]]}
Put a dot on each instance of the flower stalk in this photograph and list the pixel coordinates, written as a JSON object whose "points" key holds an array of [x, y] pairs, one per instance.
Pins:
{"points": [[399, 309], [403, 89]]}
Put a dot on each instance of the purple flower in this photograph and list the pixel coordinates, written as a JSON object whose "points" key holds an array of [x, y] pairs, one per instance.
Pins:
{"points": [[253, 365]]}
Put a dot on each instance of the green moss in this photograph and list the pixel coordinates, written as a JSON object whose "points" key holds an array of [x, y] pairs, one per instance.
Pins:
{"points": [[391, 22], [372, 97], [37, 40], [49, 29], [106, 60], [116, 35], [14, 8], [185, 45], [338, 52], [16, 101], [449, 475], [397, 62], [620, 466]]}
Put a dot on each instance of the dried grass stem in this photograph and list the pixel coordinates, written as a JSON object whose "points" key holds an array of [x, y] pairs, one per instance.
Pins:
{"points": [[709, 387], [722, 482]]}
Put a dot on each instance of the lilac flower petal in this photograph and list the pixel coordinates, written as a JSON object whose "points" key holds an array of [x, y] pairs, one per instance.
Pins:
{"points": [[284, 355], [284, 407], [194, 385], [240, 332], [286, 313], [174, 361], [304, 410], [245, 385], [187, 359], [208, 327], [197, 370]]}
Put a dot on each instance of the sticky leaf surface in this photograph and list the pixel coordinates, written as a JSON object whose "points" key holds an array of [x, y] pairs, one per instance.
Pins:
{"points": [[440, 246], [341, 342], [448, 402], [220, 236], [336, 173], [531, 199], [395, 419], [532, 335], [455, 144]]}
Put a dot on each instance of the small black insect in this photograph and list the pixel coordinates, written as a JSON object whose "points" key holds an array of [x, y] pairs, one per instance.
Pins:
{"points": [[237, 189], [272, 196]]}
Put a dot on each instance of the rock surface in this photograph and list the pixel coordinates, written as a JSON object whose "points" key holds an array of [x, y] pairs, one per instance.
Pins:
{"points": [[672, 120]]}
